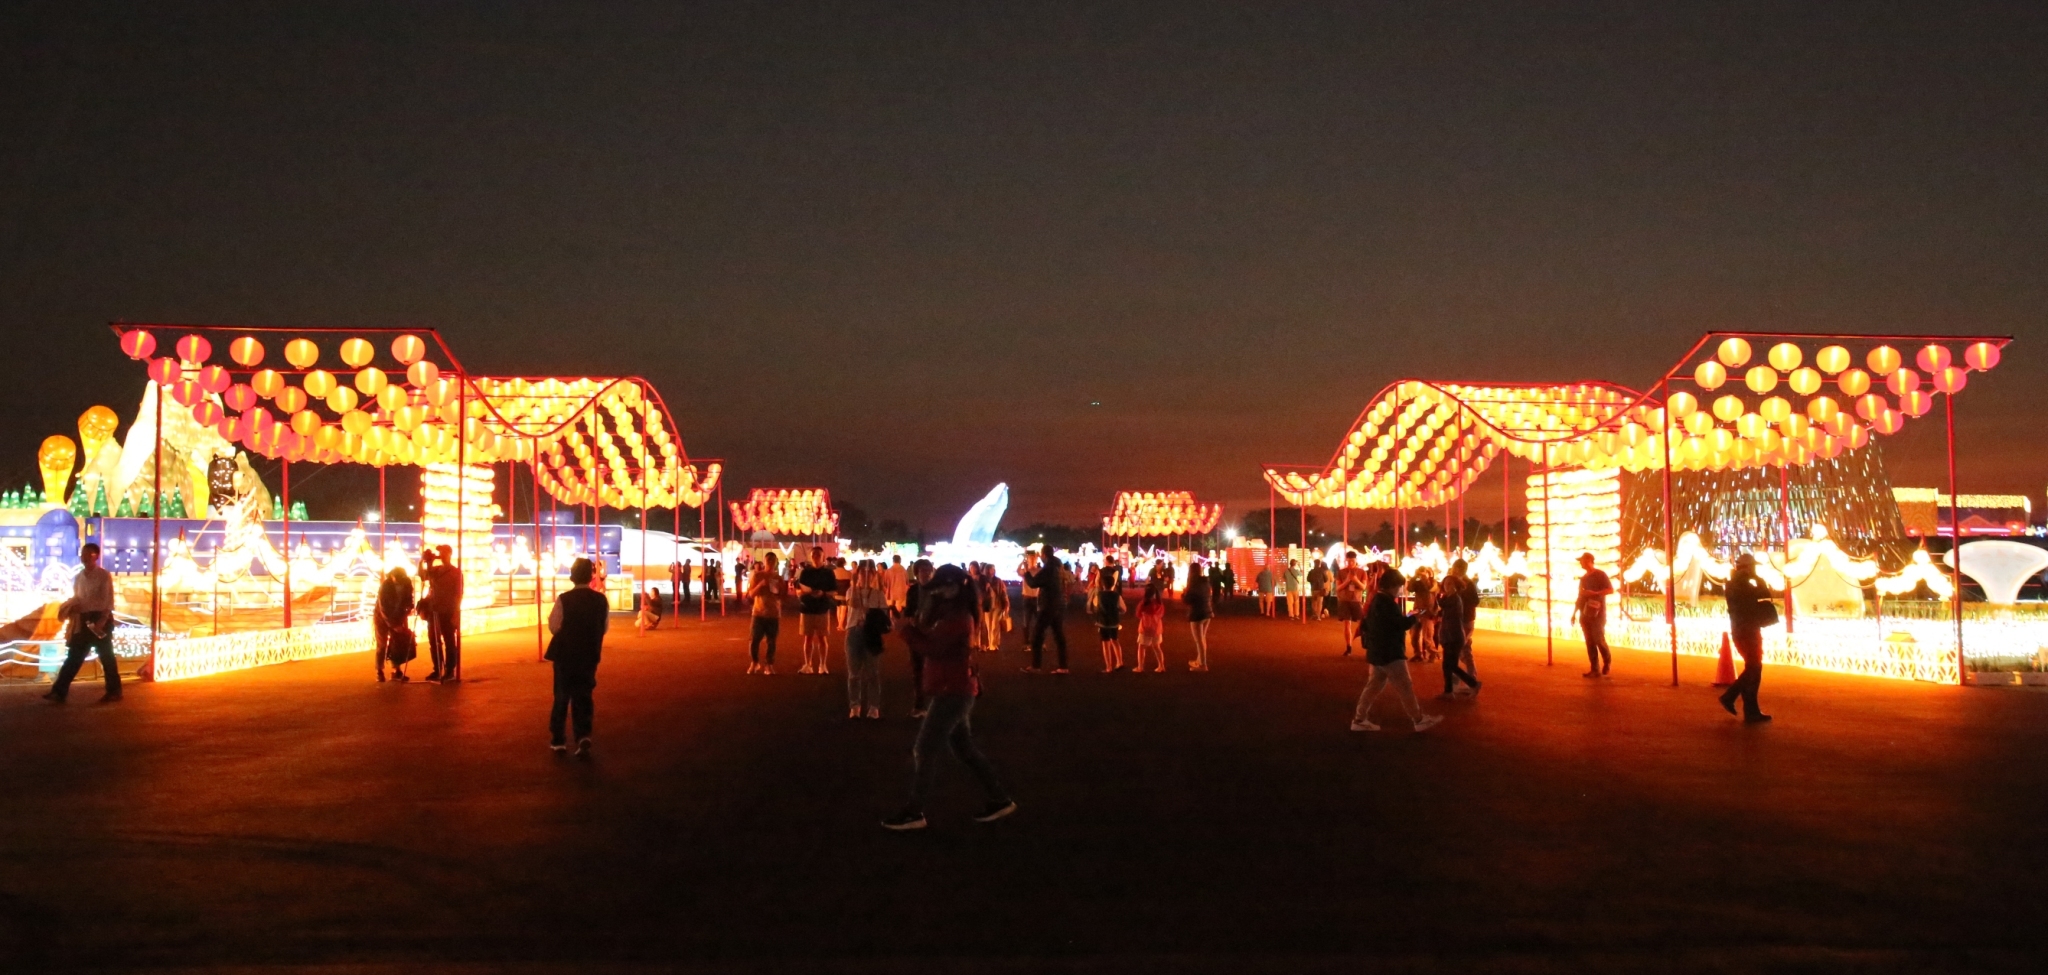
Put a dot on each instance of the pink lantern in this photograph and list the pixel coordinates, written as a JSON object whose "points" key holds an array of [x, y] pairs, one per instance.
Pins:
{"points": [[1903, 381], [1933, 358], [187, 392], [1951, 379], [137, 344], [1916, 403], [215, 379], [239, 397], [206, 413], [1889, 422], [1981, 356], [163, 371], [194, 349]]}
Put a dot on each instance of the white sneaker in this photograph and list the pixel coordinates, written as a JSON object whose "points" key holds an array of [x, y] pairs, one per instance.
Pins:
{"points": [[1427, 722], [1364, 726]]}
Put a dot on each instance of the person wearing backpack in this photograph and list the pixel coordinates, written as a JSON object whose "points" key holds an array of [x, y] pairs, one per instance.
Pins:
{"points": [[1749, 610], [578, 622]]}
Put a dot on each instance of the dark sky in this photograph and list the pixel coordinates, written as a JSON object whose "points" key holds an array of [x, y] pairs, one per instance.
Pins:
{"points": [[897, 250]]}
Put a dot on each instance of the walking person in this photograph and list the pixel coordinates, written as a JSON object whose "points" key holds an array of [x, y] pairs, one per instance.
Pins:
{"points": [[1319, 590], [1352, 583], [1386, 649], [1200, 598], [578, 622], [863, 661], [896, 584], [89, 616], [939, 634], [1591, 610], [765, 598], [1422, 596], [817, 589], [395, 641], [1750, 609], [442, 609], [1456, 603], [1051, 582]]}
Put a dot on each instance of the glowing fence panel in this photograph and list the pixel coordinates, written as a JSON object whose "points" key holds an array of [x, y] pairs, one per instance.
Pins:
{"points": [[199, 656], [1901, 650]]}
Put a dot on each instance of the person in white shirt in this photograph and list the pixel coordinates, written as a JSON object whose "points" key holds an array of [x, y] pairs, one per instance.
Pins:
{"points": [[90, 613], [896, 585]]}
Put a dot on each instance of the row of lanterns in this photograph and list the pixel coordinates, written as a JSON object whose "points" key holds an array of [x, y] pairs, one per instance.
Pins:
{"points": [[785, 511], [1160, 513]]}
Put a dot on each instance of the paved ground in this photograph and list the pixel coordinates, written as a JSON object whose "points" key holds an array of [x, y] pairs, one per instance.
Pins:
{"points": [[303, 815]]}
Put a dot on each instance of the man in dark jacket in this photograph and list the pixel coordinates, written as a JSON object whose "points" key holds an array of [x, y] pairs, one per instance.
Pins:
{"points": [[1457, 604], [1749, 611], [579, 621], [1051, 582], [1385, 633]]}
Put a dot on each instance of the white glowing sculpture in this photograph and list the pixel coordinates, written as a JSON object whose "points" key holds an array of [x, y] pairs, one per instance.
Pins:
{"points": [[1920, 570], [1829, 582], [978, 527], [2001, 567]]}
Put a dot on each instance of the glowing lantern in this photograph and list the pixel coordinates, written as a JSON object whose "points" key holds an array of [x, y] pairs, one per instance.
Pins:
{"points": [[1733, 352], [246, 351], [1774, 409], [1784, 357], [267, 383], [1821, 409], [1916, 403], [1883, 359], [214, 379], [1903, 381], [1761, 379], [1870, 405], [1682, 404], [1805, 381], [1832, 359], [1859, 436], [1750, 425], [392, 397], [370, 381], [163, 371], [291, 400], [137, 344], [301, 353], [1981, 356], [341, 399], [408, 349], [1933, 359], [187, 392], [1951, 379], [1888, 422], [319, 383], [55, 458], [1795, 425], [357, 353], [356, 422], [1710, 375], [1855, 382], [206, 413], [239, 397], [305, 422], [422, 374], [194, 349], [1728, 408]]}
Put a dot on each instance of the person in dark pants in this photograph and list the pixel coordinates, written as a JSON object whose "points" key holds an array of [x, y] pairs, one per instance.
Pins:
{"points": [[1749, 610], [578, 622], [942, 634], [90, 613], [1591, 609], [920, 574], [442, 609], [1051, 582], [1456, 601]]}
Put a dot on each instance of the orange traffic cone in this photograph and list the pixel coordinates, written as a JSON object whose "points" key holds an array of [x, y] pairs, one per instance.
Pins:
{"points": [[1724, 673]]}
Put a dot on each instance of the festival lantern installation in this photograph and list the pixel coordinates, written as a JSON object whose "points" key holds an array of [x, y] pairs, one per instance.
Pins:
{"points": [[1156, 513], [786, 512], [1735, 401]]}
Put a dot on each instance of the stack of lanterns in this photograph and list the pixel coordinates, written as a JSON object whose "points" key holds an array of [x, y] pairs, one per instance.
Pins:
{"points": [[1156, 513], [1572, 512], [786, 512]]}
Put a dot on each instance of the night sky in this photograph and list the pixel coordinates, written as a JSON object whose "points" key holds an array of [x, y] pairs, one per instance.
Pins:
{"points": [[899, 250]]}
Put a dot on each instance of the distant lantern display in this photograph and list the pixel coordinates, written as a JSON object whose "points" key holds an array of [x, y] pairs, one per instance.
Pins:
{"points": [[1160, 513], [786, 512]]}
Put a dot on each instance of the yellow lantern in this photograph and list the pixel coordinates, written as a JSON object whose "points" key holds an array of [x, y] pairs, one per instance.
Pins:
{"points": [[1883, 359], [1761, 379], [96, 428], [341, 399], [267, 383], [301, 353], [1682, 404], [1727, 408], [1855, 382], [356, 422], [1833, 359], [1774, 409], [1699, 423], [391, 398], [1784, 357], [357, 353], [1795, 426], [1733, 352], [291, 400], [305, 422], [1902, 381], [1710, 375], [1805, 381], [370, 381], [422, 374], [1750, 425], [55, 458], [319, 383], [1821, 409]]}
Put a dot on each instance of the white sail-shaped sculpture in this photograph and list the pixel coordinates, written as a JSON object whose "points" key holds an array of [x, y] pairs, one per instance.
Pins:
{"points": [[978, 527]]}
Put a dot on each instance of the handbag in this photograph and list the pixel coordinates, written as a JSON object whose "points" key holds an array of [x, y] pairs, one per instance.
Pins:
{"points": [[1766, 613], [404, 646]]}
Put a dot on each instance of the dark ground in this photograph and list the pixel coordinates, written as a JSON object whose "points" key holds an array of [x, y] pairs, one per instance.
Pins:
{"points": [[303, 815]]}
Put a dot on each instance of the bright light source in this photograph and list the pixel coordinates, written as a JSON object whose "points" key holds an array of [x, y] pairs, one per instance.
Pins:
{"points": [[371, 517]]}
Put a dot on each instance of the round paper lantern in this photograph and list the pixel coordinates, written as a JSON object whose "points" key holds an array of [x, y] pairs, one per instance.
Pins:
{"points": [[341, 400], [291, 399], [1854, 382], [370, 381], [194, 349], [1903, 381], [267, 383], [1710, 375], [214, 379], [1859, 436], [422, 374], [1821, 409], [163, 371], [1805, 381], [1727, 408], [1981, 356], [1833, 359], [301, 353], [392, 397], [357, 422], [1870, 405], [305, 422], [319, 383], [1785, 357], [239, 397], [357, 353], [408, 349], [1761, 379], [1888, 422], [1933, 359], [187, 392], [206, 413], [1774, 409], [1733, 352], [1750, 425], [1883, 359], [1951, 379], [1682, 404], [246, 351], [137, 344]]}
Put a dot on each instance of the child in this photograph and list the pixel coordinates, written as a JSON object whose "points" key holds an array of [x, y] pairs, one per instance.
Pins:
{"points": [[1151, 628], [1109, 618]]}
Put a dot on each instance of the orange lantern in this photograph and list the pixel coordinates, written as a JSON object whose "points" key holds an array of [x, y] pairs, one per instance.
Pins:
{"points": [[246, 351], [301, 353]]}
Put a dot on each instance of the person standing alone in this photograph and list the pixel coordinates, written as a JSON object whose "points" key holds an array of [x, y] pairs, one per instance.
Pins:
{"points": [[90, 613], [1749, 610], [578, 622], [764, 595], [1591, 609], [1051, 582]]}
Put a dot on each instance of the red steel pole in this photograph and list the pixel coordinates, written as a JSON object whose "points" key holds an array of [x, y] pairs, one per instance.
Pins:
{"points": [[1955, 538], [1670, 553]]}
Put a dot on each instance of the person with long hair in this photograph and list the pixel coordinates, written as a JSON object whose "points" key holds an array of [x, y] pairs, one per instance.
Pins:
{"points": [[940, 635], [1386, 649], [1457, 603], [1749, 610], [1107, 602], [997, 614], [920, 575], [1200, 597], [395, 641], [868, 601], [1151, 628], [764, 596], [1422, 595]]}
